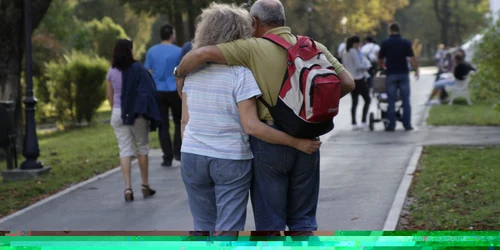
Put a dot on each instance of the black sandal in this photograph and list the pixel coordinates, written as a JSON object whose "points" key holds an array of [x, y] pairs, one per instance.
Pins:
{"points": [[147, 191], [129, 196]]}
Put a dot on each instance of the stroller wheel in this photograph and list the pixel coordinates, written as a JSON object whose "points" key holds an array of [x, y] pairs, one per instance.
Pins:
{"points": [[372, 121]]}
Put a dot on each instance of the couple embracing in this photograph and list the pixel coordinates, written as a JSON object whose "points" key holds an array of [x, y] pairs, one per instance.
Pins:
{"points": [[231, 145]]}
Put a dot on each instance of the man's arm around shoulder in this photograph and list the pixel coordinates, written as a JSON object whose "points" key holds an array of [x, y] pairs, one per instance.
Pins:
{"points": [[196, 58]]}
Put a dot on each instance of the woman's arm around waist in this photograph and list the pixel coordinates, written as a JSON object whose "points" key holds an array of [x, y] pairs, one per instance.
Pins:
{"points": [[253, 126]]}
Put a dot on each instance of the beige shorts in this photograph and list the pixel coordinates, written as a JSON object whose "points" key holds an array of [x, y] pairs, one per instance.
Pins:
{"points": [[127, 135]]}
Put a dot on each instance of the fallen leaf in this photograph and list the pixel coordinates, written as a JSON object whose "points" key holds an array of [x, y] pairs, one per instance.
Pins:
{"points": [[355, 218]]}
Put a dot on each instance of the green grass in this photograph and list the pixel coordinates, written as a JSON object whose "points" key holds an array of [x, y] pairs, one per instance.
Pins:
{"points": [[456, 188], [75, 155], [478, 114]]}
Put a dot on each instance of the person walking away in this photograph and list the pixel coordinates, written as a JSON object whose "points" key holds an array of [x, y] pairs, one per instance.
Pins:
{"points": [[439, 58], [395, 51], [370, 50], [353, 62], [131, 94], [417, 48], [188, 46], [161, 60], [285, 185], [460, 72], [217, 159], [341, 50]]}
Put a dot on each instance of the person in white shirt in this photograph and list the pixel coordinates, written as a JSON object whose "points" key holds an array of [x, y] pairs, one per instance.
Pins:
{"points": [[370, 50], [356, 64], [341, 50]]}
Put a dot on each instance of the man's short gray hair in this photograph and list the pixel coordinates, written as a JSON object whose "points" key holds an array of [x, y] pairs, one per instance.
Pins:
{"points": [[269, 12], [220, 23]]}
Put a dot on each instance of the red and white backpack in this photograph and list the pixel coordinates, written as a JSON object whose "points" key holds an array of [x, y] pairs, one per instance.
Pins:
{"points": [[310, 93]]}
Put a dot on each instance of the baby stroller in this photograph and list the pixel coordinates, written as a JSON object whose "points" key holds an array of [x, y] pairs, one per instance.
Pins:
{"points": [[380, 94]]}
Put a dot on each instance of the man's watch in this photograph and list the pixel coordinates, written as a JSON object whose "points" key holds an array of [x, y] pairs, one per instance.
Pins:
{"points": [[176, 75]]}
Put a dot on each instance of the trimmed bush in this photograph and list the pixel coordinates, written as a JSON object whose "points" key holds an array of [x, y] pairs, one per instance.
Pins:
{"points": [[486, 83], [76, 85]]}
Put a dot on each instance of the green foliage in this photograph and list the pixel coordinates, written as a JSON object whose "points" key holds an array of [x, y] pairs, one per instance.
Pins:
{"points": [[61, 25], [496, 107], [103, 35], [137, 25], [419, 21], [44, 108], [485, 83], [180, 13], [76, 85]]}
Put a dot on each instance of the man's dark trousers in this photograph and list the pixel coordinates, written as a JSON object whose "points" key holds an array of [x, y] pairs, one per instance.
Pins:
{"points": [[170, 101], [284, 190], [394, 83]]}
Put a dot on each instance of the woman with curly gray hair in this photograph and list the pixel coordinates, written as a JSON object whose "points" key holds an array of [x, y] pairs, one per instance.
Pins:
{"points": [[218, 114]]}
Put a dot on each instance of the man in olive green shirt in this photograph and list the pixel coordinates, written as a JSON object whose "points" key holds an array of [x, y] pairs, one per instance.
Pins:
{"points": [[285, 186]]}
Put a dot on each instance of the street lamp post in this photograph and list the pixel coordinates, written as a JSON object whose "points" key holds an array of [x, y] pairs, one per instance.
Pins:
{"points": [[309, 22], [31, 151]]}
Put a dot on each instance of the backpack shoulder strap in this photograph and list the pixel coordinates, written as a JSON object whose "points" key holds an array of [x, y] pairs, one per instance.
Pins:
{"points": [[261, 99], [278, 40]]}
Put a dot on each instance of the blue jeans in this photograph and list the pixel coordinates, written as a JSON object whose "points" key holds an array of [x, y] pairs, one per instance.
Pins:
{"points": [[441, 84], [285, 188], [217, 190], [393, 83]]}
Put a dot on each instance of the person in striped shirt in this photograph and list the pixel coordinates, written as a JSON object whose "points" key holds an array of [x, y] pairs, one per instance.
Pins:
{"points": [[219, 113]]}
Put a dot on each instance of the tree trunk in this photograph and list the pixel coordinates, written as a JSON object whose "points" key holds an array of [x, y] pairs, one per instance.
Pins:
{"points": [[12, 48], [178, 23], [170, 13], [191, 18], [443, 15]]}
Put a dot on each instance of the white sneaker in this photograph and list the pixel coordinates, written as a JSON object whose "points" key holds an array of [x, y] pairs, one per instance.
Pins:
{"points": [[355, 127], [364, 125]]}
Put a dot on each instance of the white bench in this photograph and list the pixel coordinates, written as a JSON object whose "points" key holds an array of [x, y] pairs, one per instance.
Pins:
{"points": [[460, 89]]}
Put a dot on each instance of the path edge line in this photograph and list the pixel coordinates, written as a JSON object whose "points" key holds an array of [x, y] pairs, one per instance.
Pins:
{"points": [[399, 200], [61, 193]]}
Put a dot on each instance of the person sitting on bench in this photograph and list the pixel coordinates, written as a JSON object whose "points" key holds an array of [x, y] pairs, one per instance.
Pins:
{"points": [[460, 72]]}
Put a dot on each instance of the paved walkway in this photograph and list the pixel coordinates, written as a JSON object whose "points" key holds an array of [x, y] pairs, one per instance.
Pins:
{"points": [[360, 174]]}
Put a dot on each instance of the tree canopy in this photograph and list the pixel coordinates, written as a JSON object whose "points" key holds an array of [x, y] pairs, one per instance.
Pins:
{"points": [[175, 11]]}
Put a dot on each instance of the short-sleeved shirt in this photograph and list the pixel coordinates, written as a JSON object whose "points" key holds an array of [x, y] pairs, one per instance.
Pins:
{"points": [[115, 77], [462, 70], [185, 49], [267, 62], [161, 59], [214, 127], [396, 50], [371, 51], [341, 49]]}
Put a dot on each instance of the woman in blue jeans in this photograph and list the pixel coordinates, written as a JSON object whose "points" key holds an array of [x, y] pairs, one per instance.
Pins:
{"points": [[218, 114]]}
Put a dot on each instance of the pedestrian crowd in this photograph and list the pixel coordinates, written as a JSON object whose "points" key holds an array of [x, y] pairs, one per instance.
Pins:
{"points": [[242, 96], [394, 58]]}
